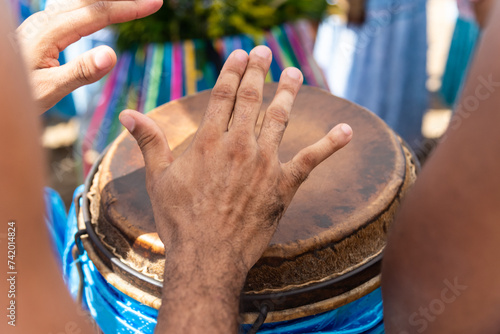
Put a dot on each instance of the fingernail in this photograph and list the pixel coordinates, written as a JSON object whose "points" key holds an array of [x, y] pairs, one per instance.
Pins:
{"points": [[102, 60], [262, 51], [128, 122], [240, 55], [346, 129], [293, 73]]}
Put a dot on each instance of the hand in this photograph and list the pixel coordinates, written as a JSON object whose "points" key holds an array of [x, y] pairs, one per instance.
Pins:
{"points": [[47, 33], [217, 206]]}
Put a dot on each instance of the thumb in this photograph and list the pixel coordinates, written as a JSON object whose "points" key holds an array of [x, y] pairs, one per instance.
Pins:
{"points": [[150, 138], [54, 83], [87, 68]]}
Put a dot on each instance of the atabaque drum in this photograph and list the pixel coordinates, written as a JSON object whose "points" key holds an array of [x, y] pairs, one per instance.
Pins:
{"points": [[324, 259]]}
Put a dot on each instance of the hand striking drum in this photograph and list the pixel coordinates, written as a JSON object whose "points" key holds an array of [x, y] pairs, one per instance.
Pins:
{"points": [[326, 252]]}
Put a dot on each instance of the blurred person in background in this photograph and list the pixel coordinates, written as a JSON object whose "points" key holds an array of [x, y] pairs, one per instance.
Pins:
{"points": [[376, 56]]}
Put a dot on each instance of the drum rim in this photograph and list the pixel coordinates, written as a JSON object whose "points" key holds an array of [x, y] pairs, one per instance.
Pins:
{"points": [[249, 302], [85, 208]]}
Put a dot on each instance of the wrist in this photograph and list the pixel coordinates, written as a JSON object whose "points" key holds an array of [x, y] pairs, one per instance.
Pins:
{"points": [[199, 296], [198, 268], [216, 262]]}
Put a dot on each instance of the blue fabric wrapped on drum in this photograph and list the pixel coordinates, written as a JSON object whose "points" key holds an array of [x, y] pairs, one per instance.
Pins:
{"points": [[56, 221], [115, 312]]}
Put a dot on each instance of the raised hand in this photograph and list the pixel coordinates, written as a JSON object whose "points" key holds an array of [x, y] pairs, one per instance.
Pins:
{"points": [[47, 33], [217, 206]]}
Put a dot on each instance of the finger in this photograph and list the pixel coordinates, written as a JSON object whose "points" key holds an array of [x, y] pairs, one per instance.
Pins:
{"points": [[297, 170], [278, 112], [85, 69], [151, 140], [221, 104], [71, 26], [249, 95], [58, 7]]}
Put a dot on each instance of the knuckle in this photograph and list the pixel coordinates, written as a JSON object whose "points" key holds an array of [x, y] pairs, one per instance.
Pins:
{"points": [[240, 146], [223, 92], [163, 164], [200, 148], [258, 66], [278, 114], [147, 140], [41, 17], [308, 160], [289, 89], [206, 138], [234, 71], [298, 175], [101, 6], [53, 9], [332, 141], [82, 73], [249, 94], [205, 143]]}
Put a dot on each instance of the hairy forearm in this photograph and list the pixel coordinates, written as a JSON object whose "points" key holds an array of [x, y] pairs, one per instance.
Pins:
{"points": [[199, 296], [438, 273]]}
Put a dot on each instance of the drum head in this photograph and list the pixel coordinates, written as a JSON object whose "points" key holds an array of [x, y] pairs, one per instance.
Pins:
{"points": [[335, 224]]}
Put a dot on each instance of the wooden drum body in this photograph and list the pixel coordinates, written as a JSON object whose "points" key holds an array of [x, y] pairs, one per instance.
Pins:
{"points": [[327, 249]]}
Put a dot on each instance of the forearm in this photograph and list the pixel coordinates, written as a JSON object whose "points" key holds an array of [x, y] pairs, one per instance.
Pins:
{"points": [[439, 271], [37, 290], [199, 297]]}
